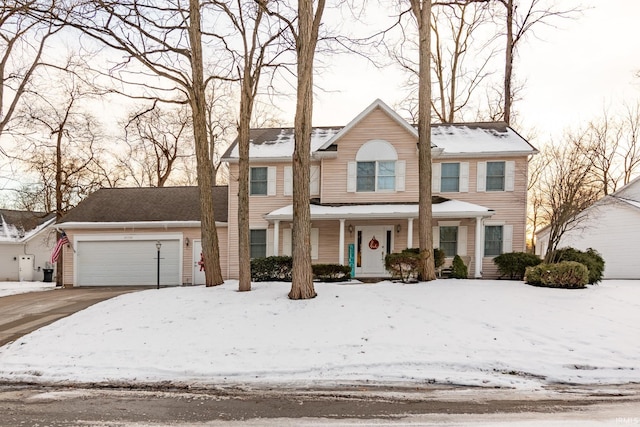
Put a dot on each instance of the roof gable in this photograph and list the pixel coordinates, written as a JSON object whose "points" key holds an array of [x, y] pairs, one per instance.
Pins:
{"points": [[378, 103], [146, 204], [630, 191], [21, 225]]}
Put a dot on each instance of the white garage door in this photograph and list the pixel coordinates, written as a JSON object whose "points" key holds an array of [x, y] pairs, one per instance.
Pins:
{"points": [[127, 263]]}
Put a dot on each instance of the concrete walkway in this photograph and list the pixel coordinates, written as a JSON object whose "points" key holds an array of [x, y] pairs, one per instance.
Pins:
{"points": [[24, 313]]}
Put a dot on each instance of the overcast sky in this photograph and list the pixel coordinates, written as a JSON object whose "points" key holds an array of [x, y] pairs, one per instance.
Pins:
{"points": [[571, 72]]}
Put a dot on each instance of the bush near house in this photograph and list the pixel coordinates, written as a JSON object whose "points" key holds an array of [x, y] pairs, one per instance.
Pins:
{"points": [[590, 259], [458, 268], [405, 265], [272, 269], [331, 272], [279, 268], [514, 264], [566, 274]]}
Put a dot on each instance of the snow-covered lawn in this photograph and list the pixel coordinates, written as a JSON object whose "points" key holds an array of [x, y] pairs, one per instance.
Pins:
{"points": [[13, 288], [468, 332]]}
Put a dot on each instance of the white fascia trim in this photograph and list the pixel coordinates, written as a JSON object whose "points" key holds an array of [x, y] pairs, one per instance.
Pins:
{"points": [[324, 155], [132, 224], [391, 215], [485, 155]]}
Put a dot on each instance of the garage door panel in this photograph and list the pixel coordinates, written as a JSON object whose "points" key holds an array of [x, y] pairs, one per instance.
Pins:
{"points": [[127, 263]]}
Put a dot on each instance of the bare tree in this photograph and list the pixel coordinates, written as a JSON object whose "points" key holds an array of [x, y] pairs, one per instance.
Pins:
{"points": [[567, 188], [520, 19], [421, 10], [163, 59], [23, 40], [156, 139], [257, 36]]}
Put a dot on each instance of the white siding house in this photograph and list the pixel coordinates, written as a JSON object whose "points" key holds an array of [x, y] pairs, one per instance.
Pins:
{"points": [[611, 227]]}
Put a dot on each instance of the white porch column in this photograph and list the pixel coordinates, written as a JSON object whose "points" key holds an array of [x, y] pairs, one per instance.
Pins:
{"points": [[409, 232], [479, 247], [276, 236], [341, 244]]}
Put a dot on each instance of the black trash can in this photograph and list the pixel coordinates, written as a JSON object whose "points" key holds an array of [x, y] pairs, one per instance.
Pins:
{"points": [[48, 275]]}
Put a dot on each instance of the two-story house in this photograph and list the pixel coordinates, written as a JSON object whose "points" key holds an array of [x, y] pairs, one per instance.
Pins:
{"points": [[363, 196], [364, 192]]}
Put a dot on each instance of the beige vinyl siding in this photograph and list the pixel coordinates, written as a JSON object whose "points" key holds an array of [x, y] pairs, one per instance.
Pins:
{"points": [[258, 207], [377, 125]]}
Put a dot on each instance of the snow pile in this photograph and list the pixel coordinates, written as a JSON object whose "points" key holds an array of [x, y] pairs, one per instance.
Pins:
{"points": [[485, 333], [14, 288]]}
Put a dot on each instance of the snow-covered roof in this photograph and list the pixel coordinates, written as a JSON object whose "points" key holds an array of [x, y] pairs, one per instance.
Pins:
{"points": [[448, 208], [20, 226], [449, 139]]}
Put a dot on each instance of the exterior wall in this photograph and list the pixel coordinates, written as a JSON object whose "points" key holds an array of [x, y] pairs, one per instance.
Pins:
{"points": [[377, 125], [187, 261], [510, 206], [39, 246], [609, 228]]}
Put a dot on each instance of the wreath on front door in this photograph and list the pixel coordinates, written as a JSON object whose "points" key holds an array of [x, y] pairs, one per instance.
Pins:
{"points": [[374, 244]]}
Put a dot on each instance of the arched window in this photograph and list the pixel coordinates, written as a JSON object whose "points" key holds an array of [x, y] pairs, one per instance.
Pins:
{"points": [[376, 168]]}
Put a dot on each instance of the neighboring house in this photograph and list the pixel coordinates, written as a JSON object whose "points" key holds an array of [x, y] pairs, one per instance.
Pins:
{"points": [[26, 241], [610, 226], [363, 195]]}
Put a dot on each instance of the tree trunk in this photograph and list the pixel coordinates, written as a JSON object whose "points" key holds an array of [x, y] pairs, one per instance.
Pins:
{"points": [[422, 12], [508, 63], [210, 249], [302, 274], [244, 256]]}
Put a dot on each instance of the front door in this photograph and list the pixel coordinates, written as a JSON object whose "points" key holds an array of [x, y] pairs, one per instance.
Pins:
{"points": [[371, 247], [198, 268]]}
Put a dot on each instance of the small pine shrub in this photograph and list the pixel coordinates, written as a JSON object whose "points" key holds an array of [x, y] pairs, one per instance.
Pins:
{"points": [[458, 268], [566, 274], [403, 265], [514, 264], [590, 259]]}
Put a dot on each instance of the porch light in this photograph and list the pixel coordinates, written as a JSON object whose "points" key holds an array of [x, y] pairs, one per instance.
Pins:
{"points": [[186, 241], [398, 228], [350, 228]]}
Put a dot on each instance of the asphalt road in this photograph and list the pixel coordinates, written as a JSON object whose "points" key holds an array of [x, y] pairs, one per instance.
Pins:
{"points": [[51, 406], [24, 313]]}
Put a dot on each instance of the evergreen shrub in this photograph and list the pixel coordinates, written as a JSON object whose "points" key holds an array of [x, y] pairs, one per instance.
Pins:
{"points": [[331, 272], [589, 258], [566, 274], [514, 264], [458, 268]]}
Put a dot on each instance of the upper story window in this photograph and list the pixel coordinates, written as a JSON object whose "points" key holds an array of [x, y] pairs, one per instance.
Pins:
{"points": [[376, 168], [376, 176], [495, 176], [450, 177], [258, 181], [262, 181]]}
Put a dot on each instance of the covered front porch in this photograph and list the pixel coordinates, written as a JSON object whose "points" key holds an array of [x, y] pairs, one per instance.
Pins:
{"points": [[362, 235]]}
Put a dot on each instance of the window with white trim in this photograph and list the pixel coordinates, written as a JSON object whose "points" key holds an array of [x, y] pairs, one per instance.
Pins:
{"points": [[450, 177], [449, 240], [258, 181], [493, 240], [376, 176], [495, 176], [258, 243]]}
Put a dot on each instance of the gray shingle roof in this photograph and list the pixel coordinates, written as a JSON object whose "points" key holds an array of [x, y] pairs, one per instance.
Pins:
{"points": [[146, 204], [23, 220]]}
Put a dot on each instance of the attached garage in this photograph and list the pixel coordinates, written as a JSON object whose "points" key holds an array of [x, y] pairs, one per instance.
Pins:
{"points": [[128, 260]]}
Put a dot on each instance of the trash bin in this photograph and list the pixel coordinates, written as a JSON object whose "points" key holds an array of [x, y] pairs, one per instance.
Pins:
{"points": [[48, 274]]}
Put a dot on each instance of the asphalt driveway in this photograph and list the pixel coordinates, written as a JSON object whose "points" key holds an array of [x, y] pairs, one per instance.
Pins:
{"points": [[24, 313]]}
